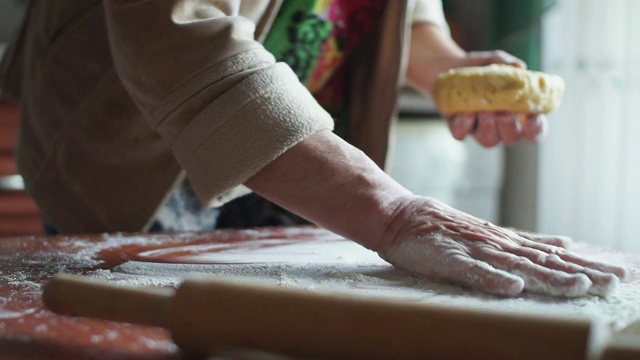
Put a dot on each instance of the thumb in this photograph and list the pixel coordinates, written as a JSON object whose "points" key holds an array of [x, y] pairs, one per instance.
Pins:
{"points": [[480, 58]]}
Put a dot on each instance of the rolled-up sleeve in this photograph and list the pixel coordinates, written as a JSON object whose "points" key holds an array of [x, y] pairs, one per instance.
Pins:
{"points": [[429, 11], [202, 81]]}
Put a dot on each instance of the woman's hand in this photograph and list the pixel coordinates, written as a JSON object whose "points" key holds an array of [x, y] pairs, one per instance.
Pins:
{"points": [[436, 241], [333, 184], [492, 128], [432, 52]]}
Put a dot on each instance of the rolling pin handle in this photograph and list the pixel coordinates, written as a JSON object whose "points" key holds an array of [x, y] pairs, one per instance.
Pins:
{"points": [[79, 296]]}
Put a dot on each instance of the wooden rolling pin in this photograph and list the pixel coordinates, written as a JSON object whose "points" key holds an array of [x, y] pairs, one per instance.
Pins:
{"points": [[208, 316]]}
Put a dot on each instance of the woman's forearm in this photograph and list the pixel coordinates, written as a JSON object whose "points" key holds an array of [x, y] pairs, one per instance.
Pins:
{"points": [[431, 51], [334, 185]]}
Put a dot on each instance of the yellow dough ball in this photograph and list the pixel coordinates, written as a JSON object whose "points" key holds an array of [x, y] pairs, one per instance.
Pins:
{"points": [[497, 87]]}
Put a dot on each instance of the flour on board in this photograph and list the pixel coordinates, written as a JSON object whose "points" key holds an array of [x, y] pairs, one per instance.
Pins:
{"points": [[346, 267]]}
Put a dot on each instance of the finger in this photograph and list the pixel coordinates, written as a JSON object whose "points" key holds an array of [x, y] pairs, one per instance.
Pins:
{"points": [[496, 57], [483, 277], [555, 240], [508, 127], [537, 279], [461, 124], [541, 280], [487, 132], [534, 127], [603, 284], [619, 271]]}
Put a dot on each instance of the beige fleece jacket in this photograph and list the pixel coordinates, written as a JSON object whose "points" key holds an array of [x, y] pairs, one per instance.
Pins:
{"points": [[119, 97]]}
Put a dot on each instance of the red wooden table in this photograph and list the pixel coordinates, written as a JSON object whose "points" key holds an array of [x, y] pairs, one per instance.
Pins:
{"points": [[29, 331]]}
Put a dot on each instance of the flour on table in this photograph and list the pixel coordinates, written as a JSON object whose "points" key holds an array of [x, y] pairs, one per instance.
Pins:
{"points": [[338, 266]]}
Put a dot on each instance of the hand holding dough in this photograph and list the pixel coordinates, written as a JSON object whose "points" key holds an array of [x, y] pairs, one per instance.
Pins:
{"points": [[497, 87], [497, 102]]}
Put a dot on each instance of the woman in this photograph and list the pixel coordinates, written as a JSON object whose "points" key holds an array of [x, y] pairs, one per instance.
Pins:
{"points": [[120, 99]]}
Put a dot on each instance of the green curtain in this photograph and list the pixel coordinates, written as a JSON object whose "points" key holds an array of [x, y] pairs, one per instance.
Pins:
{"points": [[515, 28]]}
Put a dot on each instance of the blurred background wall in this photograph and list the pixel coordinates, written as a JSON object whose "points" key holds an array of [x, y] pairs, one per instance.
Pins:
{"points": [[589, 173]]}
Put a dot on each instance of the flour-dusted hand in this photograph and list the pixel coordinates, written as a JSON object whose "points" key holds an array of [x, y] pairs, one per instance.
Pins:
{"points": [[438, 242], [339, 188]]}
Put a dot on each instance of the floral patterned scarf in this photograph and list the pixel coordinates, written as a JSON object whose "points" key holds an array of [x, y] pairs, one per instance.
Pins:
{"points": [[316, 37]]}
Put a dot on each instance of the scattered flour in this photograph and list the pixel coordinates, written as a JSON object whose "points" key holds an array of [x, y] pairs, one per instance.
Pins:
{"points": [[326, 265], [356, 270]]}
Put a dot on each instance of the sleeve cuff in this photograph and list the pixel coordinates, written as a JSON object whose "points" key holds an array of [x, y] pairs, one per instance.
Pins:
{"points": [[245, 129], [429, 11]]}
